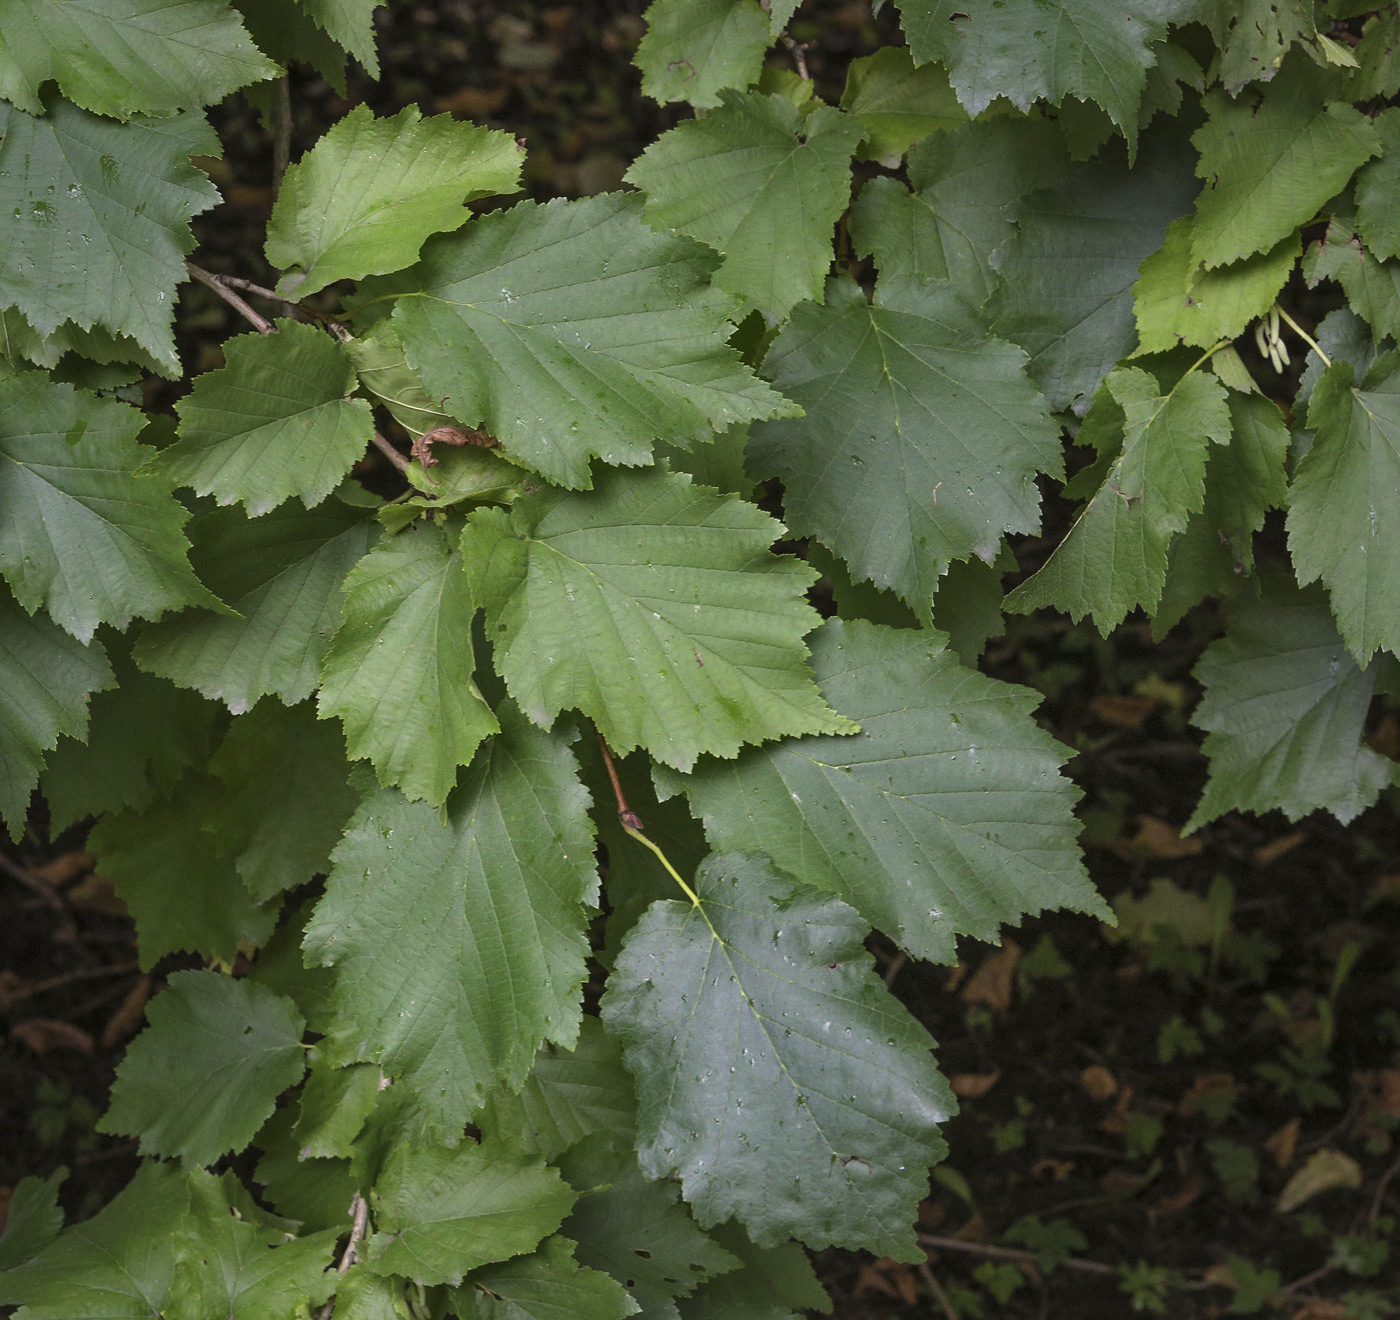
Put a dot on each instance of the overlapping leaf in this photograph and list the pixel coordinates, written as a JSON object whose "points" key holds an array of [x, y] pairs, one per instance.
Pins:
{"points": [[761, 183], [1376, 186], [653, 606], [694, 48], [898, 103], [1255, 35], [33, 1219], [100, 219], [364, 199], [573, 330], [350, 23], [946, 815], [487, 910], [548, 1285], [776, 1076], [922, 436], [1372, 287], [777, 1283], [126, 57]]}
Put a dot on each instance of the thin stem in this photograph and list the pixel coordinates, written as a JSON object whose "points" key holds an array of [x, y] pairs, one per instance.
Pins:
{"points": [[31, 882], [799, 57], [281, 130], [936, 1288], [389, 452], [260, 323], [238, 282], [359, 1222], [661, 857], [936, 1242], [78, 974], [1305, 337], [1207, 355]]}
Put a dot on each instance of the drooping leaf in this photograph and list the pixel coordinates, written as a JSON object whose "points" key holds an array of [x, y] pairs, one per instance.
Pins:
{"points": [[1378, 69], [1255, 35], [333, 1107], [286, 33], [351, 24], [126, 57], [384, 371], [282, 573], [654, 607], [761, 183], [1372, 287], [441, 1213], [694, 48], [399, 670], [774, 1283], [1115, 555], [45, 679], [274, 423], [1269, 167], [81, 251], [206, 1072], [1066, 293], [1376, 186], [84, 535], [32, 1218], [548, 1285], [364, 199], [946, 815], [1095, 50], [487, 910], [316, 1193], [755, 1028], [1344, 506], [1284, 708], [573, 330], [883, 467], [898, 103]]}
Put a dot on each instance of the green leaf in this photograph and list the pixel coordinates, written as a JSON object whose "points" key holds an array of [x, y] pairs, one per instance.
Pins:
{"points": [[274, 423], [384, 372], [1067, 277], [1372, 287], [286, 33], [568, 1095], [635, 1230], [548, 1285], [695, 48], [182, 894], [1376, 186], [760, 182], [314, 1192], [282, 573], [1095, 50], [1179, 303], [285, 797], [1247, 478], [351, 24], [206, 1072], [654, 607], [573, 330], [898, 103], [116, 1265], [946, 815], [32, 1219], [86, 536], [1284, 708], [486, 911], [103, 214], [1345, 503], [1269, 167], [45, 680], [880, 467], [362, 1296], [364, 199], [754, 1021], [1378, 69], [1255, 35], [957, 217], [399, 670], [774, 1284], [333, 1107], [127, 57], [441, 1213], [1115, 555]]}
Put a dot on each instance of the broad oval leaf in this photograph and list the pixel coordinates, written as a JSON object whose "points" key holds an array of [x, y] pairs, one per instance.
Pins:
{"points": [[693, 49]]}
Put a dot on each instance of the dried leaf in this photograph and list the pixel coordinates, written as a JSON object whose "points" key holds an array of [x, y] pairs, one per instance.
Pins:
{"points": [[1123, 712], [1098, 1082], [1324, 1171], [990, 984], [1284, 1142], [128, 1016], [1271, 852], [64, 869], [45, 1034], [970, 1086]]}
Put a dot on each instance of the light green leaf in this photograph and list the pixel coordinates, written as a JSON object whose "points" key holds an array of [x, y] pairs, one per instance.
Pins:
{"points": [[84, 535], [384, 371], [694, 48], [1344, 507], [760, 182], [102, 215], [1115, 555], [882, 468], [1376, 190], [548, 1285], [460, 942], [946, 815], [1255, 35], [831, 1078], [182, 893], [441, 1213], [364, 199], [1284, 708], [1067, 277], [1269, 167], [635, 1230], [351, 24], [1372, 287], [362, 1296], [274, 423], [283, 574], [898, 103], [1179, 303], [285, 797], [333, 1107], [126, 57], [46, 678], [1097, 50], [399, 670], [773, 1284], [32, 1218], [206, 1072], [654, 607], [573, 330]]}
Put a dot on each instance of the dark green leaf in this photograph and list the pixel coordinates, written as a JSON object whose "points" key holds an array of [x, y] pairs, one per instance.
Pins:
{"points": [[32, 1219], [773, 1284], [1255, 35], [548, 1285], [695, 48], [898, 103]]}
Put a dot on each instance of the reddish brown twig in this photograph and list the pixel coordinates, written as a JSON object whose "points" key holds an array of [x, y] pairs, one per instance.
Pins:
{"points": [[259, 322], [629, 818]]}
